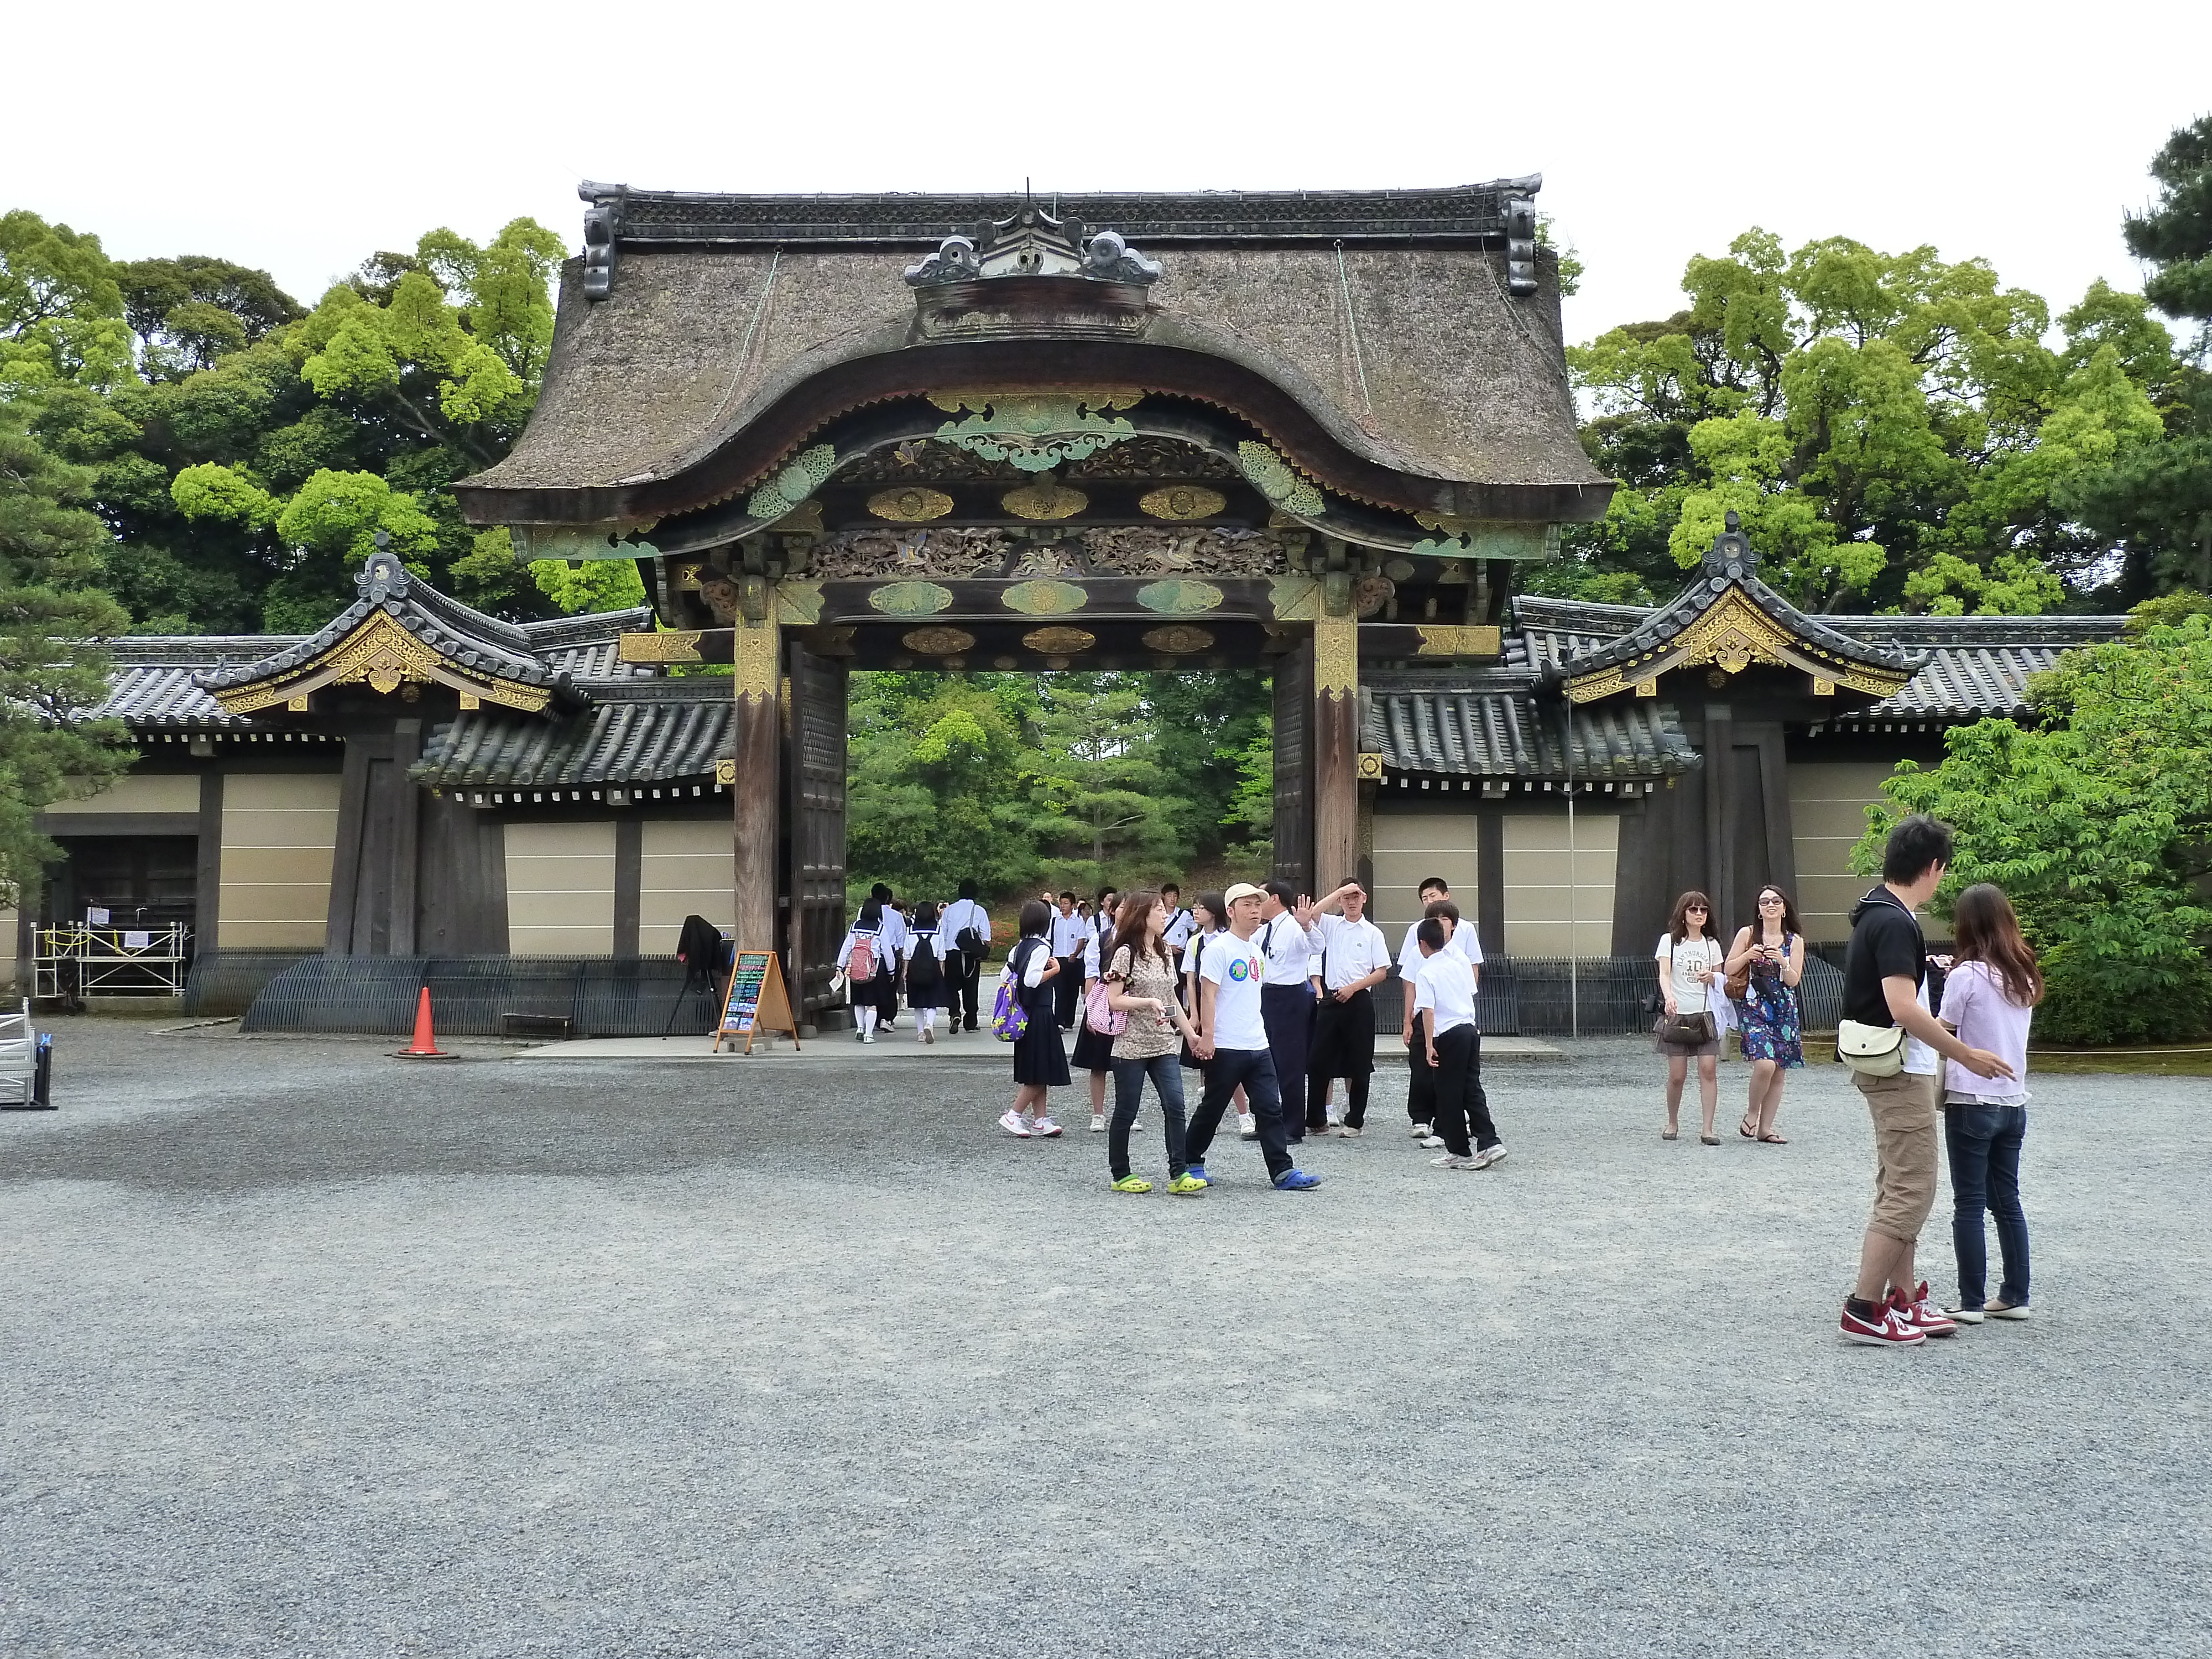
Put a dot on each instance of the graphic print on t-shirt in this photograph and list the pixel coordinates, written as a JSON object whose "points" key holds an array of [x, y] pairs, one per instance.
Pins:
{"points": [[1240, 971]]}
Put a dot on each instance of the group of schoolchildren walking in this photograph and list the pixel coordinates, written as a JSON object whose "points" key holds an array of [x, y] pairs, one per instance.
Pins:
{"points": [[1929, 1041], [1269, 994], [934, 959]]}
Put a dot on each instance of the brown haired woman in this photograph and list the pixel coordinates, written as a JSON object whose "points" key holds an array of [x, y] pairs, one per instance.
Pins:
{"points": [[1140, 982], [1689, 958], [1770, 954], [1990, 993]]}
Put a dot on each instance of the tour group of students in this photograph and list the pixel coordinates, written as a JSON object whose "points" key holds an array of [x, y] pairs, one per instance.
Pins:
{"points": [[1269, 994]]}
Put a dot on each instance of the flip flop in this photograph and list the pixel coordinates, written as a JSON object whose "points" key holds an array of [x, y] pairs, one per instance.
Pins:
{"points": [[1746, 1128], [1775, 1140]]}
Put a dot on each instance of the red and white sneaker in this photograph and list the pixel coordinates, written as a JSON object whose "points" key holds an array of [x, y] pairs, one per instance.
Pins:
{"points": [[1884, 1330], [1922, 1313]]}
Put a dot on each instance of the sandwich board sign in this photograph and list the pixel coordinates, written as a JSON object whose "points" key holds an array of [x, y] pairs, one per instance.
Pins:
{"points": [[756, 1001]]}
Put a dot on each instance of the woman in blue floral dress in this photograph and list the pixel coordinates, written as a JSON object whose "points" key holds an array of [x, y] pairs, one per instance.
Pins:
{"points": [[1771, 952]]}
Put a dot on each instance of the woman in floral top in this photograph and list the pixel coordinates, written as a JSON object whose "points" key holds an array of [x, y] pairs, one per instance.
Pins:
{"points": [[1140, 982]]}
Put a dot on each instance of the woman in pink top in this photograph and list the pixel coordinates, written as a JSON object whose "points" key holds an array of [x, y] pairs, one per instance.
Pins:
{"points": [[1989, 994]]}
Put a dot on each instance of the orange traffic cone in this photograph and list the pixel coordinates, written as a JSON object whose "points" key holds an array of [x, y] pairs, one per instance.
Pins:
{"points": [[426, 1042]]}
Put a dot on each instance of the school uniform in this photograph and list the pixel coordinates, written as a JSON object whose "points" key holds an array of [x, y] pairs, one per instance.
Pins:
{"points": [[1286, 1005], [1176, 937], [1065, 940], [963, 968], [1094, 1050], [1443, 994], [1343, 1032], [925, 972], [1039, 1056], [1421, 1086], [1235, 968], [895, 934], [875, 990]]}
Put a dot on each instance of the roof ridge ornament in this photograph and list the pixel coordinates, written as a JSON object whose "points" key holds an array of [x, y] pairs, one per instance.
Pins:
{"points": [[1033, 243], [1731, 559], [602, 224], [383, 576]]}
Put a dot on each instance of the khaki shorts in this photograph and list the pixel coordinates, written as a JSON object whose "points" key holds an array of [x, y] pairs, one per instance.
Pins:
{"points": [[1904, 1120]]}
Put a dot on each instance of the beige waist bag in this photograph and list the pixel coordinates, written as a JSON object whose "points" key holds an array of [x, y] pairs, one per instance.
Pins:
{"points": [[1870, 1050]]}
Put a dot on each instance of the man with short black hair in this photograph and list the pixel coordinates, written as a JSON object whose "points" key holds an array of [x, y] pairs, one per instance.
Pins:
{"points": [[1067, 936], [1885, 979], [1461, 940], [1176, 938], [967, 925], [1289, 939]]}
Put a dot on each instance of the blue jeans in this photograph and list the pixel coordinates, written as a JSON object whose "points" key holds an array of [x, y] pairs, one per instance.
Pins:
{"points": [[1166, 1074], [1983, 1145]]}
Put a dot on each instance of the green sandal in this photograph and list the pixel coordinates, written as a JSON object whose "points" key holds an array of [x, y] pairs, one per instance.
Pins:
{"points": [[1131, 1184]]}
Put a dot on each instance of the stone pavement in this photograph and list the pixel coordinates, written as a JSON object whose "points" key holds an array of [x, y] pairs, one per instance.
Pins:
{"points": [[305, 1351], [898, 1047]]}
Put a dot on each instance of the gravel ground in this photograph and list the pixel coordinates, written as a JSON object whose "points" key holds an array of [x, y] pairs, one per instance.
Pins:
{"points": [[305, 1351]]}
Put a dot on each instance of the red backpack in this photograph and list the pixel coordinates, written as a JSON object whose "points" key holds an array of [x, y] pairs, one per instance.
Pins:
{"points": [[862, 964]]}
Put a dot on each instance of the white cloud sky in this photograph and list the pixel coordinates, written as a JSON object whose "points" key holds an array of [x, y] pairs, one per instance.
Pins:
{"points": [[301, 138]]}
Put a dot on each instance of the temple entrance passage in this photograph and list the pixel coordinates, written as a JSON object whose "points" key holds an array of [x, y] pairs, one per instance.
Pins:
{"points": [[1139, 432]]}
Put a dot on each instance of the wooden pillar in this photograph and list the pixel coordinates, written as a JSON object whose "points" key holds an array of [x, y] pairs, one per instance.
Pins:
{"points": [[1720, 809], [756, 656], [1333, 734]]}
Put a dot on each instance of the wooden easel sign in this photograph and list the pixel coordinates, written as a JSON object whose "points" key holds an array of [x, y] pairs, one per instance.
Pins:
{"points": [[756, 1002]]}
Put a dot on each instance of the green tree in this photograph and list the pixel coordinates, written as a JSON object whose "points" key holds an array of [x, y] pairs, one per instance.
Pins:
{"points": [[937, 792], [50, 674], [1097, 774], [1892, 429], [61, 309], [2098, 823], [189, 311]]}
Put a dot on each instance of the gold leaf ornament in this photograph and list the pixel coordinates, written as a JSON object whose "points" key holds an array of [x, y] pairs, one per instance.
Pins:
{"points": [[1179, 639], [909, 504], [1046, 500], [938, 642], [1058, 642], [1180, 503]]}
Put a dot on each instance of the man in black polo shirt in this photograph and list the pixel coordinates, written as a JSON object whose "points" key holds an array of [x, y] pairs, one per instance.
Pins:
{"points": [[1883, 974]]}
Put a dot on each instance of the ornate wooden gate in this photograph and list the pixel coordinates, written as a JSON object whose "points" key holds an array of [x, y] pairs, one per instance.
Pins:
{"points": [[814, 821], [1294, 824]]}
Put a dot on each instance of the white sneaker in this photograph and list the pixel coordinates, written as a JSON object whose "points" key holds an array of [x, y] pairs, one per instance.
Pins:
{"points": [[1098, 1123], [1453, 1161], [867, 1036], [1963, 1314], [1432, 1142], [1346, 1132], [1334, 1122], [1248, 1126], [1013, 1123], [1488, 1156], [1421, 1132], [1046, 1128]]}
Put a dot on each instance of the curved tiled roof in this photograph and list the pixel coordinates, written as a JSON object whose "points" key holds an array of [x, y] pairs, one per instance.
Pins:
{"points": [[1502, 730], [635, 731]]}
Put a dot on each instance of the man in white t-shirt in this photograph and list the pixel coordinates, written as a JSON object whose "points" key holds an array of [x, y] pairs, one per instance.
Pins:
{"points": [[965, 918], [1233, 1042], [1460, 939], [1443, 994]]}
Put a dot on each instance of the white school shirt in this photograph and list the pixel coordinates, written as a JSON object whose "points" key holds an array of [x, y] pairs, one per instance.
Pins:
{"points": [[1288, 949], [892, 932], [1683, 962], [1179, 929], [1445, 987], [1033, 969], [1349, 950], [1067, 934], [1091, 947], [1236, 967], [913, 940], [880, 949], [960, 915], [1463, 943]]}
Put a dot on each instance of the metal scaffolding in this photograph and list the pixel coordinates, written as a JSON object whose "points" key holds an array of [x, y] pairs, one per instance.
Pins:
{"points": [[76, 960]]}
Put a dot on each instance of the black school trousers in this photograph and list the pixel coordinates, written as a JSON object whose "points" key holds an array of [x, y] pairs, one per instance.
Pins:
{"points": [[1459, 1097], [963, 975], [1067, 991], [1256, 1069]]}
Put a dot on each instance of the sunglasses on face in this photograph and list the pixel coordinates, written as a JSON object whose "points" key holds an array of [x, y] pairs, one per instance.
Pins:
{"points": [[1770, 899], [1693, 910]]}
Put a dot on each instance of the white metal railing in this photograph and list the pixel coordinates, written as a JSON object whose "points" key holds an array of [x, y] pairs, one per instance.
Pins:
{"points": [[75, 958]]}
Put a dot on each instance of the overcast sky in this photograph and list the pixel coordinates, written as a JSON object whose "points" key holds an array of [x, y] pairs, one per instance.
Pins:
{"points": [[300, 138]]}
